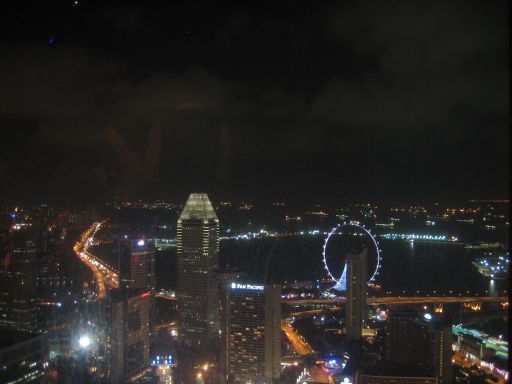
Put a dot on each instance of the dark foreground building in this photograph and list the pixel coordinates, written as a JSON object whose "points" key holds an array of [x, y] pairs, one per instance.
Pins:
{"points": [[382, 372], [23, 357], [129, 336], [421, 341], [18, 310], [355, 314]]}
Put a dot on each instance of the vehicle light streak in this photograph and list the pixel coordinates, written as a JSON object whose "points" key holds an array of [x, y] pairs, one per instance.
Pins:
{"points": [[299, 344], [104, 276]]}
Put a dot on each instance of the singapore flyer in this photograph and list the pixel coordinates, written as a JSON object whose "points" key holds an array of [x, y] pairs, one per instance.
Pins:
{"points": [[349, 235]]}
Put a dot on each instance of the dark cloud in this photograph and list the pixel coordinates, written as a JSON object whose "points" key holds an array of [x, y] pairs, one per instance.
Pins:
{"points": [[428, 64], [150, 95]]}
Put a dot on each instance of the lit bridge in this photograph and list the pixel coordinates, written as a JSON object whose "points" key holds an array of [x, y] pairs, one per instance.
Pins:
{"points": [[397, 300]]}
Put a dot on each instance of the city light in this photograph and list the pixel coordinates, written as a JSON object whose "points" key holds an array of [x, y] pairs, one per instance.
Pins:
{"points": [[104, 276], [418, 237], [84, 342], [162, 361], [296, 194]]}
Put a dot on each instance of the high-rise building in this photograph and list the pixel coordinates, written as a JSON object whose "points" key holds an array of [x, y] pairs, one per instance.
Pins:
{"points": [[420, 341], [129, 336], [408, 338], [383, 372], [197, 289], [18, 310], [137, 264], [251, 333], [355, 313], [23, 357]]}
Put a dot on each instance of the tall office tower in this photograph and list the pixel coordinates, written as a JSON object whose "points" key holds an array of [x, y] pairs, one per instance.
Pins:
{"points": [[251, 333], [355, 313], [17, 289], [137, 264], [129, 336], [198, 252], [421, 341], [225, 277], [408, 338]]}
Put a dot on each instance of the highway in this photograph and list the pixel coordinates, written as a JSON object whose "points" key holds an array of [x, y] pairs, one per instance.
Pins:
{"points": [[299, 344], [104, 276]]}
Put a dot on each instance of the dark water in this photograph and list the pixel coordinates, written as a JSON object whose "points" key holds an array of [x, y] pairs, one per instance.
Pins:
{"points": [[424, 267]]}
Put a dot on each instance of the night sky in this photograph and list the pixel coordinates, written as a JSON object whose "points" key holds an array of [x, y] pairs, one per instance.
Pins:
{"points": [[347, 99]]}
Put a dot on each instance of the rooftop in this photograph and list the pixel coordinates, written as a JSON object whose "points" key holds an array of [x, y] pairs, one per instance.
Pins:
{"points": [[198, 207], [9, 338], [386, 368]]}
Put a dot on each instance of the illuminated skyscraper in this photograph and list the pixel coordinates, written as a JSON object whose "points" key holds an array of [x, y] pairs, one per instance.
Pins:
{"points": [[197, 289], [355, 313], [17, 289], [251, 333], [137, 264]]}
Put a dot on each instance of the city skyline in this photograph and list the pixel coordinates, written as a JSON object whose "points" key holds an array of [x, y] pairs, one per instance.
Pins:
{"points": [[252, 193], [225, 322]]}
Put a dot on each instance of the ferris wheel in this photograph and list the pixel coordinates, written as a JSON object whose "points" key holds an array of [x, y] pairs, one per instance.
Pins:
{"points": [[341, 280]]}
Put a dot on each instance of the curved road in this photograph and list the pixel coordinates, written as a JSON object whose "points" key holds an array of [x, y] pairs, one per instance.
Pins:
{"points": [[104, 276]]}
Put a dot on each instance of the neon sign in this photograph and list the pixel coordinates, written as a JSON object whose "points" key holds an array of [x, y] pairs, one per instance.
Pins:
{"points": [[247, 286]]}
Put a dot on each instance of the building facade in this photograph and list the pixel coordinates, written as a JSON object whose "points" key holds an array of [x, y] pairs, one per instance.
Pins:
{"points": [[137, 264], [18, 310], [423, 342], [129, 336], [443, 353], [408, 339], [23, 357], [251, 333], [355, 313], [197, 243], [394, 379]]}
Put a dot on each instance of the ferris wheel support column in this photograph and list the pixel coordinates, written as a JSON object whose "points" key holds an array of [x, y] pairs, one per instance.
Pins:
{"points": [[341, 284]]}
